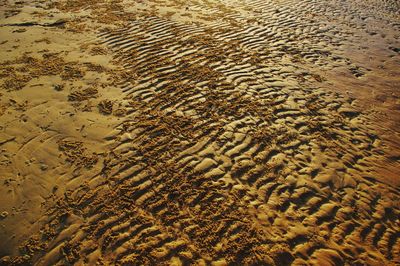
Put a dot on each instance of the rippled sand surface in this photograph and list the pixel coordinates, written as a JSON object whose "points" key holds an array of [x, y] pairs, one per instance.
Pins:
{"points": [[200, 132]]}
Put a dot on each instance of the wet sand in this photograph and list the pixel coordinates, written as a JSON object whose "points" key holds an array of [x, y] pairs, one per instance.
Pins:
{"points": [[171, 132]]}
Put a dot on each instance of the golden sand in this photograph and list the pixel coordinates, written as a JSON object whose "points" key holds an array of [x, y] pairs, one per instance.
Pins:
{"points": [[199, 132]]}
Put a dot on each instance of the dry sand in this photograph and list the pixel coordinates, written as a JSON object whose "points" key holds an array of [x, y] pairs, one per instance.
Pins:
{"points": [[200, 132]]}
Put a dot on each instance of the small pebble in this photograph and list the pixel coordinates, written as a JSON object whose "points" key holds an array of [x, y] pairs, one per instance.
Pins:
{"points": [[4, 214]]}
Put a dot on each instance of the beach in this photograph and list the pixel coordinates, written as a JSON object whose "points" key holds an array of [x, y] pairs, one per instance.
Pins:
{"points": [[200, 132]]}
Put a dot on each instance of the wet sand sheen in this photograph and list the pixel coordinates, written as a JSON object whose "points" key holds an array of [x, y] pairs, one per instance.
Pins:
{"points": [[200, 132]]}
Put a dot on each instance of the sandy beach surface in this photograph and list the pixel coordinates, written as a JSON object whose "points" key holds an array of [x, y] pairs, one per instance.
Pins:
{"points": [[200, 132]]}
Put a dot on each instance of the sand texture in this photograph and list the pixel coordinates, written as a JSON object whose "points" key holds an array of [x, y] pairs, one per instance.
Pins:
{"points": [[200, 132]]}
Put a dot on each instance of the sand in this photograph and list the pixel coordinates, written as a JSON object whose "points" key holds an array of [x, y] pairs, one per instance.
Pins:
{"points": [[199, 132]]}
